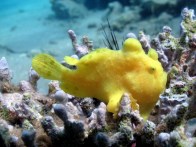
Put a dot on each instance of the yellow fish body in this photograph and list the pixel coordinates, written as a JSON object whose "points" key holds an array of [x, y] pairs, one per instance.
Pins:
{"points": [[107, 74]]}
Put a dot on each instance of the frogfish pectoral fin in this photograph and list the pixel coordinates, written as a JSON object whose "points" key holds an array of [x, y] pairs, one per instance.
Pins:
{"points": [[70, 60], [144, 111], [114, 101], [133, 103]]}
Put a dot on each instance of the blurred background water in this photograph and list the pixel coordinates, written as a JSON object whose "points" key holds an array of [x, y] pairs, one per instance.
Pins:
{"points": [[29, 27]]}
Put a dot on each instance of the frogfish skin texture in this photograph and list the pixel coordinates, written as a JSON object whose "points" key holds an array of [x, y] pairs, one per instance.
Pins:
{"points": [[107, 74]]}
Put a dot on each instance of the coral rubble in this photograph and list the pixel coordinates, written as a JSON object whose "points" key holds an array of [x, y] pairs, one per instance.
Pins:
{"points": [[29, 118]]}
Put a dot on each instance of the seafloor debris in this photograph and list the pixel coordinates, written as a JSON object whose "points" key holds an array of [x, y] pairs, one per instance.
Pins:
{"points": [[29, 118], [68, 9]]}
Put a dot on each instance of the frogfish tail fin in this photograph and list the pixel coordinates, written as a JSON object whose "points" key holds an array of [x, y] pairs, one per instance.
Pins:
{"points": [[48, 67]]}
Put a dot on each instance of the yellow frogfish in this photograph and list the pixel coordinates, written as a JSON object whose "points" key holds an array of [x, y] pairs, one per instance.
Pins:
{"points": [[107, 74]]}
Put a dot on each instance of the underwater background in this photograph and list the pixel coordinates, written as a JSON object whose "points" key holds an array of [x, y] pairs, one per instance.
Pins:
{"points": [[35, 112], [28, 27]]}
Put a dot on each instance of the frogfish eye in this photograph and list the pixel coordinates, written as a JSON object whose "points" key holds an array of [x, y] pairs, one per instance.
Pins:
{"points": [[152, 69]]}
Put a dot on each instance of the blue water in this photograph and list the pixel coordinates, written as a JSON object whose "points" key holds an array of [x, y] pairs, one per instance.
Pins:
{"points": [[28, 27], [25, 24], [30, 24]]}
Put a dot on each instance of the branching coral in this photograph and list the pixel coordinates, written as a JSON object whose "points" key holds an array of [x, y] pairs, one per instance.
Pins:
{"points": [[61, 119], [83, 49]]}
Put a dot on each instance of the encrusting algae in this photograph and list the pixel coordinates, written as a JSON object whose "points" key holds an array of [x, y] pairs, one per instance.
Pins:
{"points": [[107, 74]]}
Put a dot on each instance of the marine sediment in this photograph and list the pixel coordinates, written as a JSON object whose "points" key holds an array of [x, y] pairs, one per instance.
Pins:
{"points": [[30, 118]]}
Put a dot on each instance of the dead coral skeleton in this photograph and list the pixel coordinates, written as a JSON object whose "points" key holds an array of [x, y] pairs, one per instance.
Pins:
{"points": [[87, 122], [82, 49]]}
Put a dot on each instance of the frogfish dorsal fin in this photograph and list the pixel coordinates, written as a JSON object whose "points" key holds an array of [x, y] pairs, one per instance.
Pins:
{"points": [[132, 45], [153, 54]]}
